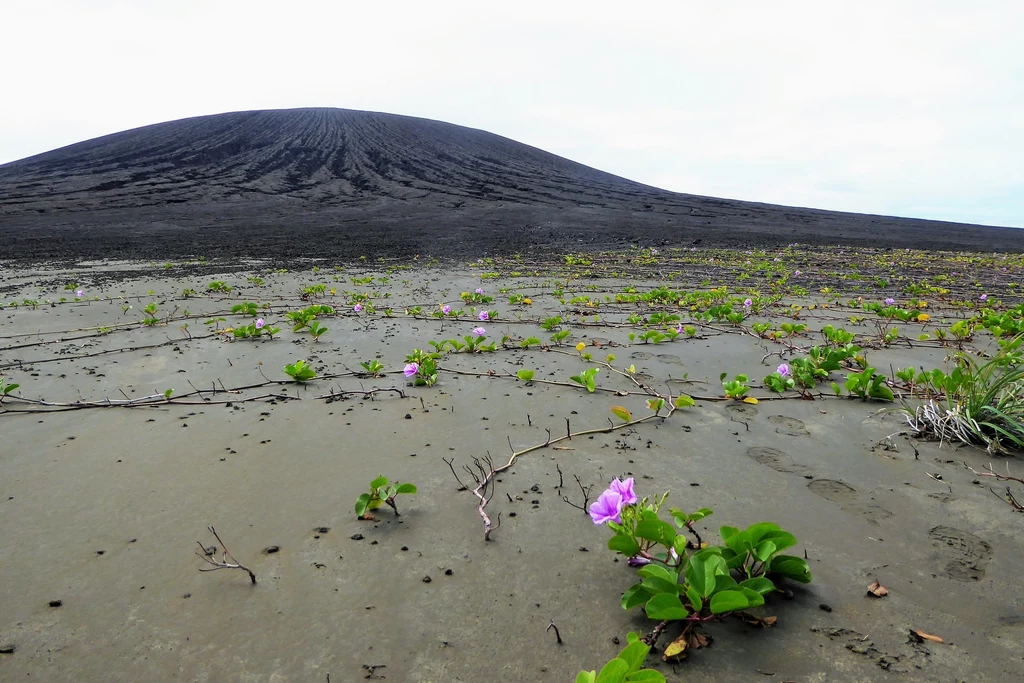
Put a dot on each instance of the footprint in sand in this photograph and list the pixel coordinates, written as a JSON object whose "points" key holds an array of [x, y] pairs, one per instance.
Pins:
{"points": [[641, 355], [775, 459], [848, 499], [788, 425], [669, 358], [743, 411], [963, 555]]}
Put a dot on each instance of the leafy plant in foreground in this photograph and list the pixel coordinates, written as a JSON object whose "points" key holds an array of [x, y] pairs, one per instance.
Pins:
{"points": [[299, 371], [626, 667], [382, 491], [690, 581], [735, 388], [866, 384], [587, 379], [6, 388], [373, 368]]}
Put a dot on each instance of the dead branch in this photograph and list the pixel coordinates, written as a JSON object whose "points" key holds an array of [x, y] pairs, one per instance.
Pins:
{"points": [[227, 560]]}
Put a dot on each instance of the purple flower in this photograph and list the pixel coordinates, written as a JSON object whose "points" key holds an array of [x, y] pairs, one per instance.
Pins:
{"points": [[637, 561], [654, 252], [983, 297], [607, 508], [79, 293], [784, 370], [357, 308], [484, 316], [479, 331], [446, 309], [479, 290], [260, 323], [747, 303], [890, 301], [624, 489], [797, 273], [411, 369], [679, 330]]}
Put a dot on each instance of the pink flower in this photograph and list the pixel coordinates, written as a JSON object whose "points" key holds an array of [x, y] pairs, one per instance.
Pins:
{"points": [[357, 308], [624, 489], [783, 370], [260, 323], [79, 293], [607, 508], [797, 273], [484, 316], [748, 303], [479, 331], [983, 297], [890, 301], [411, 369], [479, 290], [446, 309]]}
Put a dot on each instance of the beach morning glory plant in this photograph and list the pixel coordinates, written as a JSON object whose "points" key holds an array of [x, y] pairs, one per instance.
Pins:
{"points": [[683, 579]]}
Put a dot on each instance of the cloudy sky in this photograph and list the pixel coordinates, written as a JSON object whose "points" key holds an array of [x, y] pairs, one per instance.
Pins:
{"points": [[912, 108]]}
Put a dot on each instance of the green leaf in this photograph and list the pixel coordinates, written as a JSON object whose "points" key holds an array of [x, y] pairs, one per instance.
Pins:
{"points": [[684, 401], [791, 567], [634, 655], [613, 672], [635, 595], [728, 601], [624, 544], [361, 503], [622, 413], [525, 375], [724, 582], [10, 387], [702, 569], [759, 584], [653, 529], [696, 601], [646, 676], [657, 571], [405, 488], [379, 482], [657, 584], [586, 677], [666, 607], [727, 532], [764, 550]]}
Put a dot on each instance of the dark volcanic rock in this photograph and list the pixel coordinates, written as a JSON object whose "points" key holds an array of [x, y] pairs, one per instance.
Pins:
{"points": [[342, 183]]}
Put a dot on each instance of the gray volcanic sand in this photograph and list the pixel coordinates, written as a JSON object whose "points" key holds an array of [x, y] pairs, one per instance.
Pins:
{"points": [[142, 484]]}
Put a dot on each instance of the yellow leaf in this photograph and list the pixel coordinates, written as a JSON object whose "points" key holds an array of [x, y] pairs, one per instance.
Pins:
{"points": [[677, 648], [923, 318], [631, 369], [751, 400], [622, 413], [528, 301], [581, 346]]}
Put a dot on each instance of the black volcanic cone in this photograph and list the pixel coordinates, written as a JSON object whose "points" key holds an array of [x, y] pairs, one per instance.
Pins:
{"points": [[342, 183]]}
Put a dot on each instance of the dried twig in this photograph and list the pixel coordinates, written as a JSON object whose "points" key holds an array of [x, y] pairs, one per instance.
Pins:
{"points": [[586, 495], [227, 560], [1014, 503], [558, 636]]}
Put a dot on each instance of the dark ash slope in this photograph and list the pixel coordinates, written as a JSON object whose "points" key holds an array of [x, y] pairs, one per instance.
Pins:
{"points": [[340, 183]]}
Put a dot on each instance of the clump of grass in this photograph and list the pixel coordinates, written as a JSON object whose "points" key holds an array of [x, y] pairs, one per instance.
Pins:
{"points": [[983, 404]]}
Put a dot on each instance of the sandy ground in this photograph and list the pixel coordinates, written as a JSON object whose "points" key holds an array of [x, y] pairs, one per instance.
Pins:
{"points": [[102, 507]]}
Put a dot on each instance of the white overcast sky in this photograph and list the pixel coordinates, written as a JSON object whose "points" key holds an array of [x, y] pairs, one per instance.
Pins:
{"points": [[911, 108]]}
